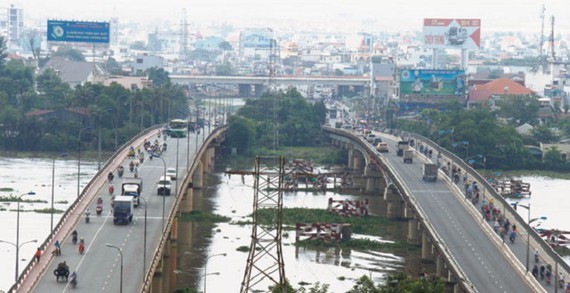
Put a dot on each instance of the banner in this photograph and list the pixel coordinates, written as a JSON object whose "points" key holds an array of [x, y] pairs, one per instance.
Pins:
{"points": [[78, 31], [430, 82], [452, 33]]}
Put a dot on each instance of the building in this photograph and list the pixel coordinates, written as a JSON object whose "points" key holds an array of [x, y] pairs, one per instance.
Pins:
{"points": [[128, 82], [74, 72], [14, 24], [256, 42], [487, 93], [211, 43], [144, 62]]}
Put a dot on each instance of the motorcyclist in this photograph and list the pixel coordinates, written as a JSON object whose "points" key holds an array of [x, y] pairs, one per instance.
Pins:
{"points": [[81, 246], [73, 279], [131, 166], [87, 214], [74, 236], [536, 258], [110, 176], [535, 272]]}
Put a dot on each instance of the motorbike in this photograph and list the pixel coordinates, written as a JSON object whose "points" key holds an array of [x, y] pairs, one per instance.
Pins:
{"points": [[110, 177], [120, 171], [164, 147], [87, 213], [141, 159], [73, 279], [99, 209], [81, 247], [111, 189], [74, 237], [512, 237], [131, 166]]}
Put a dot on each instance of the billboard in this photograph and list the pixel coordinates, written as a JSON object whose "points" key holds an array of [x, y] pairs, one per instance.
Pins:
{"points": [[78, 31], [431, 82], [445, 33]]}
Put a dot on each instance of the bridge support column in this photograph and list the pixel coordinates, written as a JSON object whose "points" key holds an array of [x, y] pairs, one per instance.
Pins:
{"points": [[186, 202], [413, 232], [357, 162], [157, 278], [173, 243], [440, 269], [427, 254], [259, 89], [244, 90], [395, 204], [198, 176], [350, 158], [408, 212], [374, 179]]}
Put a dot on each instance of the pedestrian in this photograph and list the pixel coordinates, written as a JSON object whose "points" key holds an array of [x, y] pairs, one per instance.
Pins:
{"points": [[57, 248], [38, 254]]}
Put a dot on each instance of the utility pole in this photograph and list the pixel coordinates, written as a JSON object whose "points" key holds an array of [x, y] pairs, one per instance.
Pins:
{"points": [[541, 33]]}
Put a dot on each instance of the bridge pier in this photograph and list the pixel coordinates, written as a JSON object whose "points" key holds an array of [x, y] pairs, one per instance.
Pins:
{"points": [[413, 232], [157, 279], [350, 158], [244, 90], [427, 253], [440, 269], [374, 179], [198, 176], [395, 204], [172, 257]]}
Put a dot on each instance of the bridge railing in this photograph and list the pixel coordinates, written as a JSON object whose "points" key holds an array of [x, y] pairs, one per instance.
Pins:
{"points": [[147, 283], [507, 209], [451, 262], [70, 212]]}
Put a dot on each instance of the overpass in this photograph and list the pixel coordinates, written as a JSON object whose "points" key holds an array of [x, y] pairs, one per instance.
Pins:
{"points": [[260, 83], [450, 230], [147, 258]]}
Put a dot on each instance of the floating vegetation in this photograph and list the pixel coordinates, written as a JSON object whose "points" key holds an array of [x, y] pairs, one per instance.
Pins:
{"points": [[6, 189], [49, 211], [201, 216]]}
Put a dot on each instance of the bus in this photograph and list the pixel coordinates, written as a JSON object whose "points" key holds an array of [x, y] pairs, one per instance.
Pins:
{"points": [[178, 128]]}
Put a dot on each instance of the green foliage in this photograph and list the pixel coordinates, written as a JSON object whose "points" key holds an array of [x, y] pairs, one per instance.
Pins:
{"points": [[69, 53], [3, 53], [519, 109], [113, 66], [200, 216], [158, 76], [225, 46], [241, 134], [360, 244], [49, 211], [203, 55], [138, 45], [298, 122], [398, 283], [224, 69], [543, 134]]}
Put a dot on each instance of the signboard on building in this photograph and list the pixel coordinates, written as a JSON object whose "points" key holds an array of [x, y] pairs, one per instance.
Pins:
{"points": [[429, 82], [452, 33], [78, 31]]}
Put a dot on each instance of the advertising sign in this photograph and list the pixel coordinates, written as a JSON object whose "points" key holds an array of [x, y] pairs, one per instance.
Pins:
{"points": [[430, 82], [452, 33], [78, 31]]}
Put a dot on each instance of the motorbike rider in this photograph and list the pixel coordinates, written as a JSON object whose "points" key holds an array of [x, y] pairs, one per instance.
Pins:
{"points": [[81, 246], [110, 176], [74, 236], [131, 166], [535, 272], [73, 279], [536, 258], [87, 214]]}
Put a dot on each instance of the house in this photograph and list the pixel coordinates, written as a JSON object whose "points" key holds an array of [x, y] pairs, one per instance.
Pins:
{"points": [[483, 94], [128, 82], [563, 148], [144, 62], [74, 114], [74, 72]]}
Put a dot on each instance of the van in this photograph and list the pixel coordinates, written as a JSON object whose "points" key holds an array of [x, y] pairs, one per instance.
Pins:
{"points": [[370, 137], [164, 185]]}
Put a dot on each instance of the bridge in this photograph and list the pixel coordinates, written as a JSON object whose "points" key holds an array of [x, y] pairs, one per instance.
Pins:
{"points": [[448, 227], [260, 83], [450, 231]]}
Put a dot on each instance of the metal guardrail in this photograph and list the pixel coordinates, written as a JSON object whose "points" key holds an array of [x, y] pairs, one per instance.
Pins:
{"points": [[459, 274], [102, 172], [507, 209], [147, 282]]}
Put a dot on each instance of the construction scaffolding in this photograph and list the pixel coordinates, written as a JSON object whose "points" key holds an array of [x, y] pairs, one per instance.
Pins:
{"points": [[265, 260]]}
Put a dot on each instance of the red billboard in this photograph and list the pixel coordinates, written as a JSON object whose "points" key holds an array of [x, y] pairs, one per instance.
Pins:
{"points": [[447, 33]]}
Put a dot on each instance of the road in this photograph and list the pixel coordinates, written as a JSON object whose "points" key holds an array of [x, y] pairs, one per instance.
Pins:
{"points": [[98, 269], [485, 265]]}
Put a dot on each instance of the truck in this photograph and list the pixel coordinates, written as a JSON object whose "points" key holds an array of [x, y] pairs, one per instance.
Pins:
{"points": [[408, 156], [132, 187], [122, 210], [402, 145], [429, 172]]}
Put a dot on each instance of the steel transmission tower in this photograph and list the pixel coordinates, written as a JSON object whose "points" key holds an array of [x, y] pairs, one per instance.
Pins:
{"points": [[265, 260], [184, 36]]}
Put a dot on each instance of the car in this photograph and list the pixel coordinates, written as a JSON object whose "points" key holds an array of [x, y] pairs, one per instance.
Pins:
{"points": [[164, 185], [382, 147], [172, 173], [377, 140], [370, 137]]}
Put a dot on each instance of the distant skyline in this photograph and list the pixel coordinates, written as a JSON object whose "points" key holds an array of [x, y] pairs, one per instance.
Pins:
{"points": [[332, 15]]}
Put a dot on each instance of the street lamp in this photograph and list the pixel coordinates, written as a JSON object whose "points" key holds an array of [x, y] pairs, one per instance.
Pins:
{"points": [[529, 220], [17, 252], [18, 231], [164, 196], [79, 157], [53, 187], [144, 241], [206, 264], [121, 254]]}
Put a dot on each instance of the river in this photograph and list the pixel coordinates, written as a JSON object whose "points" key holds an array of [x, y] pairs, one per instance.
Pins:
{"points": [[231, 197]]}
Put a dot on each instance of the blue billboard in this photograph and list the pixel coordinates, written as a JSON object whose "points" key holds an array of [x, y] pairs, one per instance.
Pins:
{"points": [[429, 82], [78, 31]]}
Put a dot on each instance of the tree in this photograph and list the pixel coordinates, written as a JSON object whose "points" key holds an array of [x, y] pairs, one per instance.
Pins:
{"points": [[544, 134], [138, 45], [519, 109], [3, 53], [158, 76], [113, 66], [225, 46], [69, 53], [224, 69]]}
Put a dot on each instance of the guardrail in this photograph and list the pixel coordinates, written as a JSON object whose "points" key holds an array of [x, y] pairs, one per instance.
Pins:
{"points": [[507, 209], [147, 282], [70, 211], [461, 277]]}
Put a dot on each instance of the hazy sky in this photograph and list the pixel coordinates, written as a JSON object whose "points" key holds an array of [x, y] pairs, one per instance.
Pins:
{"points": [[369, 15]]}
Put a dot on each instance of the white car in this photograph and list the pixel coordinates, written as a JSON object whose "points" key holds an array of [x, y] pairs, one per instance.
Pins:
{"points": [[172, 173], [164, 185]]}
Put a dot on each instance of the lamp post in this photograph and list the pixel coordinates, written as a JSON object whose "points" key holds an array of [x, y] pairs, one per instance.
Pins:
{"points": [[18, 231], [529, 220], [17, 252], [144, 241], [52, 189], [121, 254], [206, 264], [164, 196], [79, 157]]}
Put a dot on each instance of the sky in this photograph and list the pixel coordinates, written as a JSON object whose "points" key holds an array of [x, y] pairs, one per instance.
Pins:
{"points": [[362, 15]]}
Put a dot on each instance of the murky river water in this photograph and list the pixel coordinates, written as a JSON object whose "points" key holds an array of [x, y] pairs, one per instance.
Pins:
{"points": [[230, 197]]}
